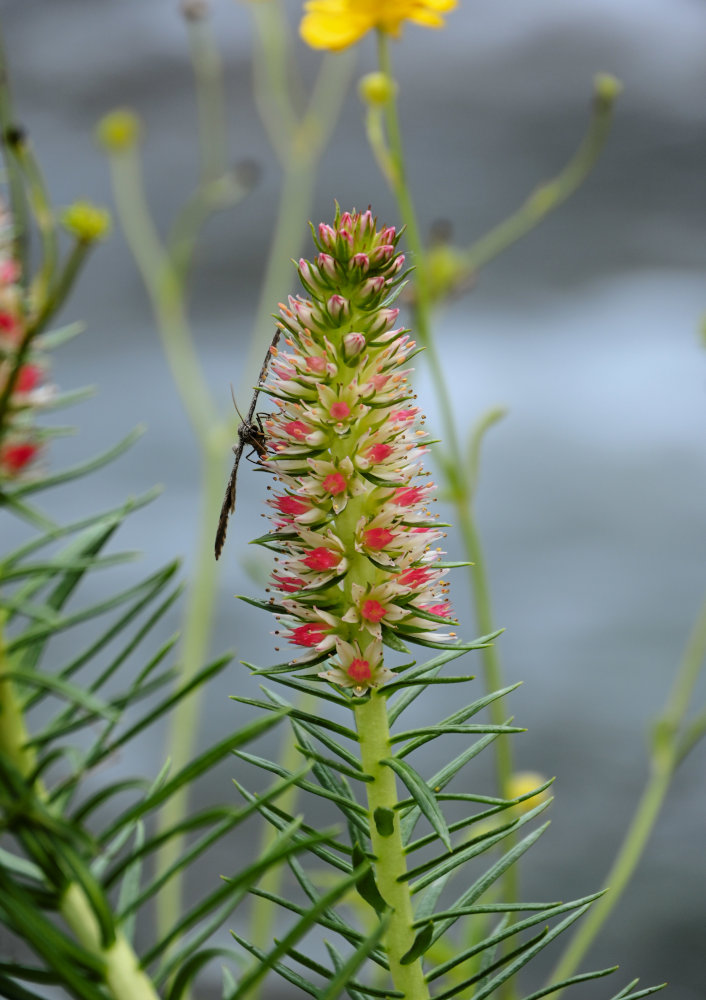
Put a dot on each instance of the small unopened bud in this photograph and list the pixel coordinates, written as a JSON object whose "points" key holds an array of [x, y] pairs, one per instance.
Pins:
{"points": [[371, 288], [327, 235], [606, 89], [382, 254], [327, 265], [338, 307], [85, 221], [360, 260], [353, 344], [118, 130], [376, 88]]}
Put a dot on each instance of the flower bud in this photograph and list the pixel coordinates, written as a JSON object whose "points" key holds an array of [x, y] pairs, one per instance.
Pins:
{"points": [[118, 131], [376, 88], [86, 222]]}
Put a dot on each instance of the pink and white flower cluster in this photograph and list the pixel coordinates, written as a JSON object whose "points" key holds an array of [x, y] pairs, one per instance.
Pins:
{"points": [[357, 567], [20, 444]]}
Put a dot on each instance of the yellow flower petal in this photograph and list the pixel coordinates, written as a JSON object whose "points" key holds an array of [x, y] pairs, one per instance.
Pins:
{"points": [[336, 24]]}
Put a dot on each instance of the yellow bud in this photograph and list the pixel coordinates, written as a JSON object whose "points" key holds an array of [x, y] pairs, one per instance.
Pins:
{"points": [[85, 221], [606, 88], [376, 88], [118, 130], [523, 782]]}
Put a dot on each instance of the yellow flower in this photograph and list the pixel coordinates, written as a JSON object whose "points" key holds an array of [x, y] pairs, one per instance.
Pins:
{"points": [[336, 24]]}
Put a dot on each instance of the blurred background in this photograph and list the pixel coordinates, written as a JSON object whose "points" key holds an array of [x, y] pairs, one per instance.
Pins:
{"points": [[593, 488]]}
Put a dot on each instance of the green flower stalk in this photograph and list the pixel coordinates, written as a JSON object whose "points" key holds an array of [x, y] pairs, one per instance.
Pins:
{"points": [[357, 566]]}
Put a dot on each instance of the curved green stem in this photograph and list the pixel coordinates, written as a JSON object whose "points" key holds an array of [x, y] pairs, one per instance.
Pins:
{"points": [[664, 759], [553, 193], [164, 289]]}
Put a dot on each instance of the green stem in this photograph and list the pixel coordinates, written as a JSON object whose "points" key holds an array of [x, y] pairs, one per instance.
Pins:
{"points": [[13, 731], [167, 295], [123, 975], [164, 289], [390, 864], [299, 144], [664, 759], [551, 194], [452, 461]]}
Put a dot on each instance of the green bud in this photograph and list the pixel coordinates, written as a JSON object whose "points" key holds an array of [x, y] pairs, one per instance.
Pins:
{"points": [[85, 221], [118, 130], [606, 89], [376, 88]]}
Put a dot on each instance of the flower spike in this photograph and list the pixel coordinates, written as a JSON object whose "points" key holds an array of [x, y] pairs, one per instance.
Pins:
{"points": [[345, 445]]}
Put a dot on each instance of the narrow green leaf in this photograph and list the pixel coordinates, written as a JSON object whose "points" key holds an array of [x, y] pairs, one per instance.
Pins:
{"points": [[57, 338], [442, 778], [346, 971], [228, 983], [428, 669], [190, 969], [332, 922], [481, 977], [365, 885], [465, 853], [300, 716], [423, 796], [300, 928], [640, 993], [83, 468], [524, 956], [289, 975], [515, 928], [419, 945], [55, 531], [12, 990], [441, 730], [584, 977], [74, 694], [130, 886], [392, 641], [456, 718], [200, 765]]}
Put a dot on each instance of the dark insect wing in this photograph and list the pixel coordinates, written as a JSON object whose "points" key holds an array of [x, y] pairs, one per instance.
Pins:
{"points": [[251, 433], [228, 505]]}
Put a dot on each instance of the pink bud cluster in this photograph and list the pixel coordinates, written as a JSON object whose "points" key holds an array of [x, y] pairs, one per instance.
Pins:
{"points": [[20, 444], [356, 567]]}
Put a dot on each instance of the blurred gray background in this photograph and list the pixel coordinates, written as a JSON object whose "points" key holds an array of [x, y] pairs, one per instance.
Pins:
{"points": [[592, 492]]}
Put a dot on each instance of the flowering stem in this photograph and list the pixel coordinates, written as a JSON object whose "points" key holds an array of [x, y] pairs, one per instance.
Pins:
{"points": [[550, 195], [664, 758], [390, 866], [168, 300], [452, 462], [299, 146]]}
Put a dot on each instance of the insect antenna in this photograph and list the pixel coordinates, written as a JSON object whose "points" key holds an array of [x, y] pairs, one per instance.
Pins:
{"points": [[232, 396]]}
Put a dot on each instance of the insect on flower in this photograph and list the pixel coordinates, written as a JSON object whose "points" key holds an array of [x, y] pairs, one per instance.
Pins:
{"points": [[252, 434]]}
